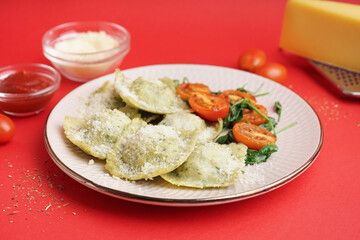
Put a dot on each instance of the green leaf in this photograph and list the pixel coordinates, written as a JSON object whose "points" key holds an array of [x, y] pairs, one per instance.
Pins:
{"points": [[278, 109], [216, 93], [235, 113], [267, 124], [187, 102], [242, 89], [226, 139], [258, 156], [176, 83], [255, 94]]}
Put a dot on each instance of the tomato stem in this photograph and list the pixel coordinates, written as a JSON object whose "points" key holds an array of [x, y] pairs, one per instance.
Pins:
{"points": [[287, 127], [262, 94], [252, 107], [259, 88]]}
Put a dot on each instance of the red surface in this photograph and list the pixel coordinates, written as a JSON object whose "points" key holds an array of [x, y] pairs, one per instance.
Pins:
{"points": [[38, 201]]}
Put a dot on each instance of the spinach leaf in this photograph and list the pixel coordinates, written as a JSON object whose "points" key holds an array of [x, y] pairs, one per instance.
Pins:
{"points": [[177, 82], [255, 94], [267, 124], [187, 102], [216, 93], [278, 108], [226, 139], [235, 113], [185, 80], [242, 89], [258, 156]]}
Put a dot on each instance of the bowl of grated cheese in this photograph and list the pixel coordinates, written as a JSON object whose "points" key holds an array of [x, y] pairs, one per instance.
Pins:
{"points": [[82, 51]]}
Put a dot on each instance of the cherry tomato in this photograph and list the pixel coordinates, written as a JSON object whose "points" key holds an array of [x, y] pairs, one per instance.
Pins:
{"points": [[253, 117], [234, 96], [7, 128], [254, 137], [209, 106], [273, 71], [251, 59], [185, 90]]}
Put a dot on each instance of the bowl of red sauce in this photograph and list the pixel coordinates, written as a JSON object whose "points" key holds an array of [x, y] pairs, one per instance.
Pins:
{"points": [[26, 89]]}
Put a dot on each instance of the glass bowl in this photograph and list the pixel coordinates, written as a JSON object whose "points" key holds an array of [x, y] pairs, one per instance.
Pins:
{"points": [[26, 89], [84, 66]]}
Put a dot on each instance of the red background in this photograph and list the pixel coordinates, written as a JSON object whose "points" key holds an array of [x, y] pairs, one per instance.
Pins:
{"points": [[38, 201]]}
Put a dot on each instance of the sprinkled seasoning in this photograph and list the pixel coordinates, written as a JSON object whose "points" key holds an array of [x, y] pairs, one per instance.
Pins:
{"points": [[34, 192], [329, 109]]}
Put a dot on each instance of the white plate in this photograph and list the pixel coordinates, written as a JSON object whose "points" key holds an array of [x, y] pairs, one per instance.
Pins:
{"points": [[298, 146]]}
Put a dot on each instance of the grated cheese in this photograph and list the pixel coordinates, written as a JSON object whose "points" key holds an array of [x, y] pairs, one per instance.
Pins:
{"points": [[104, 98], [96, 134], [148, 94], [146, 151], [210, 165], [87, 42]]}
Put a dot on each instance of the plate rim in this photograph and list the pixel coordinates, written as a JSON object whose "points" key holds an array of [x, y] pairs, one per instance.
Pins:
{"points": [[180, 202]]}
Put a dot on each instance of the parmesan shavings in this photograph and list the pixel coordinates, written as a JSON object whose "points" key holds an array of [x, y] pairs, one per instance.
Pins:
{"points": [[87, 42]]}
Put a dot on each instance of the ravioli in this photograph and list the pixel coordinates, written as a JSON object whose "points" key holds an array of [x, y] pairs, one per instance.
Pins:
{"points": [[144, 130], [146, 151], [96, 134], [105, 97], [210, 165], [188, 121], [151, 95], [130, 111]]}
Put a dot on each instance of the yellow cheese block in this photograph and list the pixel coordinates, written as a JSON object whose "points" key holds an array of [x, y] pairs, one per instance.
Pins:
{"points": [[325, 31]]}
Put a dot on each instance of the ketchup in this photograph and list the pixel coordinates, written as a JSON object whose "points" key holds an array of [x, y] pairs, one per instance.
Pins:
{"points": [[24, 82]]}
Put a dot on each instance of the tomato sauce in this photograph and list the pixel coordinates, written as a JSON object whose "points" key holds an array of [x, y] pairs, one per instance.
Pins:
{"points": [[23, 82]]}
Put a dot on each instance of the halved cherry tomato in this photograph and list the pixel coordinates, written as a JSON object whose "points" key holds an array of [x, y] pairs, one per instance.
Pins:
{"points": [[185, 90], [254, 137], [7, 128], [273, 71], [209, 106], [253, 117], [234, 96], [251, 59]]}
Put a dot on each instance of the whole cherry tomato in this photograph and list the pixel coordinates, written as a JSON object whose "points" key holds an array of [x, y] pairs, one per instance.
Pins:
{"points": [[252, 59], [209, 106], [7, 128], [273, 71]]}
